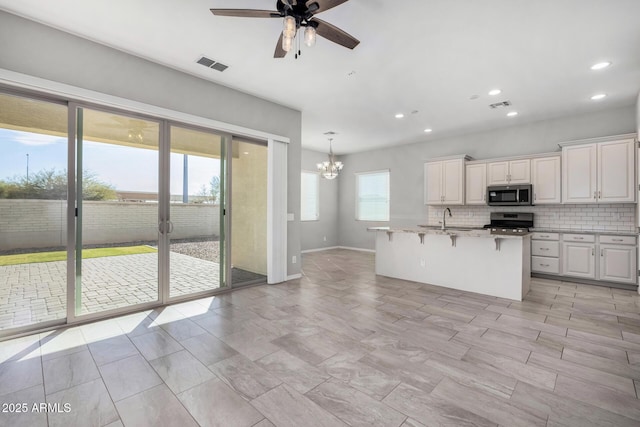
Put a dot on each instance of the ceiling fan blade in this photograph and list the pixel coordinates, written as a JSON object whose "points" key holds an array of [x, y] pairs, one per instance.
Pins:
{"points": [[326, 4], [335, 34], [246, 13], [279, 52]]}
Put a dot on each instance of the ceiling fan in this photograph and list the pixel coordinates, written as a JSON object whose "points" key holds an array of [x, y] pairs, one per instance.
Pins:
{"points": [[297, 14]]}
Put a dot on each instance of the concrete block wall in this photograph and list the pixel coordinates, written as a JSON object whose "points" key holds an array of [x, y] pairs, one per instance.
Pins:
{"points": [[603, 217], [42, 223]]}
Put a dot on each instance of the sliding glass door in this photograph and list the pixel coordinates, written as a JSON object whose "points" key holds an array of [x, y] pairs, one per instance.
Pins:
{"points": [[33, 212], [196, 211], [117, 188], [104, 212], [248, 212]]}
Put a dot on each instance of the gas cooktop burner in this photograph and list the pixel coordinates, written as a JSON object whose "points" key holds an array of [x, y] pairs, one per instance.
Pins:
{"points": [[507, 223], [507, 231]]}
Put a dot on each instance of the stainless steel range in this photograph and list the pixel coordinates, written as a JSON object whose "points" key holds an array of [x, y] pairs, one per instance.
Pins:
{"points": [[513, 223]]}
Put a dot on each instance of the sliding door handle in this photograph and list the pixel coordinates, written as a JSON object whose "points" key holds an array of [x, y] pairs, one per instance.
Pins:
{"points": [[170, 227], [161, 227]]}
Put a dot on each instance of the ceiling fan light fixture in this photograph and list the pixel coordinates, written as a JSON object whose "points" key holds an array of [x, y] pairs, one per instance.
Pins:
{"points": [[287, 43], [289, 28], [310, 36]]}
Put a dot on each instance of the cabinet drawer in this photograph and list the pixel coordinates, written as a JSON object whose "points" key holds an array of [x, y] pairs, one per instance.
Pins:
{"points": [[584, 238], [545, 248], [545, 265], [545, 236], [618, 240]]}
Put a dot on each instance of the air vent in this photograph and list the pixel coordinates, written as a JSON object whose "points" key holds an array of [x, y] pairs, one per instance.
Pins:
{"points": [[331, 133], [210, 63], [500, 104]]}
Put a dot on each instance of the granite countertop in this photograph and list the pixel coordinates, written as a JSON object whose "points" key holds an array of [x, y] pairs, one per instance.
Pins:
{"points": [[449, 231], [574, 231]]}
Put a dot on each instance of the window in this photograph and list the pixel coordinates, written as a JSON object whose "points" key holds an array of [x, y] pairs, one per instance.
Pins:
{"points": [[309, 197], [372, 196]]}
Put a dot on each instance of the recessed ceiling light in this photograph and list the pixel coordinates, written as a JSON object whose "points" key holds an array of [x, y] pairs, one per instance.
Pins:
{"points": [[399, 116], [495, 92], [428, 130], [512, 114], [245, 152], [600, 65], [598, 96]]}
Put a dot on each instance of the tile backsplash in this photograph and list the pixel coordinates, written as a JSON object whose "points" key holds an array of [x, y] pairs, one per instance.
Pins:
{"points": [[606, 217]]}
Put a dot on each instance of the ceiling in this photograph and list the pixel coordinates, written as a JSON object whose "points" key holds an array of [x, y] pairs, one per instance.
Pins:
{"points": [[423, 58]]}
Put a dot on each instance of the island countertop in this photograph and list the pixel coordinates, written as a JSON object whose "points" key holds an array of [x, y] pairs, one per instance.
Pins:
{"points": [[449, 231], [467, 259]]}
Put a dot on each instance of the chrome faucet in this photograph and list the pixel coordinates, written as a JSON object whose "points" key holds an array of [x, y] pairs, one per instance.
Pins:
{"points": [[444, 222]]}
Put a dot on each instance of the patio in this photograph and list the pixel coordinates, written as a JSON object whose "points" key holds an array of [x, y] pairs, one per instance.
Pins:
{"points": [[33, 293]]}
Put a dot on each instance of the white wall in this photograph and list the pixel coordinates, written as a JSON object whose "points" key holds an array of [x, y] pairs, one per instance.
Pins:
{"points": [[43, 223], [406, 163], [313, 233], [31, 48]]}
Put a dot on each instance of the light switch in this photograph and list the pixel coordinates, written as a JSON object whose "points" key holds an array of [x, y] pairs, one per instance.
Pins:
{"points": [[290, 217]]}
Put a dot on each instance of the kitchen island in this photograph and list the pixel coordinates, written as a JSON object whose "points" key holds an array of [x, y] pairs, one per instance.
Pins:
{"points": [[465, 259]]}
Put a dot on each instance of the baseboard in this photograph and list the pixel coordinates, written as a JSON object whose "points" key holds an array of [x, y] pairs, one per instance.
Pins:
{"points": [[357, 249], [294, 276], [306, 251]]}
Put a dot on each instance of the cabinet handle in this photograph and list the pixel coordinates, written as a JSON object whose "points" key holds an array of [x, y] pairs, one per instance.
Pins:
{"points": [[535, 196], [544, 265], [618, 240], [595, 194], [544, 249], [599, 194], [601, 252], [544, 235], [593, 251], [579, 238]]}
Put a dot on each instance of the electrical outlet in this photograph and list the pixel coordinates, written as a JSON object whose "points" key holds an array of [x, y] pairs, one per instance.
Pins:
{"points": [[422, 262], [294, 259]]}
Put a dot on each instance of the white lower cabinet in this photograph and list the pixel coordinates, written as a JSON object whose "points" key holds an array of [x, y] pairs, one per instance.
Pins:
{"points": [[605, 257], [617, 263], [579, 260]]}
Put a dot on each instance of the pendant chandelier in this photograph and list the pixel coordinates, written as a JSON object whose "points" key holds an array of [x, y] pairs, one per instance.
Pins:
{"points": [[331, 168]]}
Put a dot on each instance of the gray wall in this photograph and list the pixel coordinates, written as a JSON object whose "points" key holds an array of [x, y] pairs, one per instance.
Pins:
{"points": [[406, 163], [313, 233], [34, 49]]}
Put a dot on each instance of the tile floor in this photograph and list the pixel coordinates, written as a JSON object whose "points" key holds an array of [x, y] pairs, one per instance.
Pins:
{"points": [[339, 347]]}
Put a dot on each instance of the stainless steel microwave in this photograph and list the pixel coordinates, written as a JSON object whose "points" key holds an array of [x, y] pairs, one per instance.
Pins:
{"points": [[509, 195]]}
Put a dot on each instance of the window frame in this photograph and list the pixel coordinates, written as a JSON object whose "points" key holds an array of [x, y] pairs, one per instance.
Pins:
{"points": [[358, 175]]}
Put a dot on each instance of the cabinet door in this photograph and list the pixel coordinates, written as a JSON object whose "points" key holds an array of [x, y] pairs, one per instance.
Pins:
{"points": [[433, 183], [579, 175], [453, 182], [579, 260], [618, 263], [520, 171], [616, 175], [497, 173], [546, 180], [476, 184]]}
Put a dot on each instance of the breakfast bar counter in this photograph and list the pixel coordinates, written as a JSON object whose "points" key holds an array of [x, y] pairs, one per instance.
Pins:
{"points": [[467, 259]]}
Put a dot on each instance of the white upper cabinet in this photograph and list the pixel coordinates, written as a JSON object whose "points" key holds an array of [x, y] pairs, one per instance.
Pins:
{"points": [[600, 172], [476, 184], [545, 177], [444, 182], [616, 177], [509, 172]]}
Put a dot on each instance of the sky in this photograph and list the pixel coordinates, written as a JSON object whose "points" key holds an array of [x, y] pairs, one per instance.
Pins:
{"points": [[126, 168]]}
